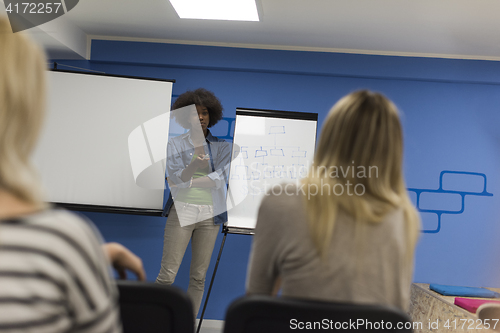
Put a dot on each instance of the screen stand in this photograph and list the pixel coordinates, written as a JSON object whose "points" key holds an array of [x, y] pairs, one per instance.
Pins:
{"points": [[212, 281]]}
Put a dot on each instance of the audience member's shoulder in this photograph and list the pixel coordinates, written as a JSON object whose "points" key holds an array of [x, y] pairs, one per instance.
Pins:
{"points": [[285, 189], [62, 220], [281, 209], [283, 195], [395, 215], [61, 232], [395, 220]]}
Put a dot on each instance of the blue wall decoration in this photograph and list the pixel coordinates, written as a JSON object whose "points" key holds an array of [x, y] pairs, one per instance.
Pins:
{"points": [[440, 192]]}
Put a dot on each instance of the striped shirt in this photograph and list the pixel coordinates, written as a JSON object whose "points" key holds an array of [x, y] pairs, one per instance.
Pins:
{"points": [[54, 276]]}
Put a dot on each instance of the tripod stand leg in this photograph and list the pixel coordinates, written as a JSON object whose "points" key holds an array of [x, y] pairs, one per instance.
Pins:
{"points": [[211, 283]]}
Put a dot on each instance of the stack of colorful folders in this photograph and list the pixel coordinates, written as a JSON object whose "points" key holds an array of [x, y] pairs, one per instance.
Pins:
{"points": [[471, 304], [468, 304], [463, 291]]}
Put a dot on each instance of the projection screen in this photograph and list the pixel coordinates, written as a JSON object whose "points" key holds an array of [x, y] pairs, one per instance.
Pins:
{"points": [[103, 143]]}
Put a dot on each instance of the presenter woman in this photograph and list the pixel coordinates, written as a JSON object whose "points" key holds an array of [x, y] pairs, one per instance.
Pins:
{"points": [[344, 237], [197, 166]]}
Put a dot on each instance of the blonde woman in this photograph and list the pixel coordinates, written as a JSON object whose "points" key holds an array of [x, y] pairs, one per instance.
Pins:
{"points": [[54, 274], [348, 232]]}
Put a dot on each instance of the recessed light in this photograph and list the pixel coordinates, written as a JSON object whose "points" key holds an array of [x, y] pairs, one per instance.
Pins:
{"points": [[233, 10]]}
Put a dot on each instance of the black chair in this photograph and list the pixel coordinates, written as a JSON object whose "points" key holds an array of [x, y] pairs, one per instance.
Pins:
{"points": [[265, 314], [149, 307]]}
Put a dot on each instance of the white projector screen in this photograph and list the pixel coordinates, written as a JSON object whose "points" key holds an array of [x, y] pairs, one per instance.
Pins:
{"points": [[275, 147], [103, 144]]}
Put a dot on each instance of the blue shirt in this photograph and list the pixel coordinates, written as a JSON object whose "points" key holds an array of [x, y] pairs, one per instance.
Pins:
{"points": [[180, 151]]}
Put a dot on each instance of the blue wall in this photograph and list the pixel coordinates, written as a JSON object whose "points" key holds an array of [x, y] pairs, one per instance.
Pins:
{"points": [[450, 116]]}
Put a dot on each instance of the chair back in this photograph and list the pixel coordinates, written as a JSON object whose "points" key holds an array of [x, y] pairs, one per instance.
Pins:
{"points": [[150, 307], [265, 314]]}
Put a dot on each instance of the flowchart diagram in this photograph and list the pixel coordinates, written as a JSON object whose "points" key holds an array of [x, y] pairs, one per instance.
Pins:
{"points": [[275, 147], [270, 163]]}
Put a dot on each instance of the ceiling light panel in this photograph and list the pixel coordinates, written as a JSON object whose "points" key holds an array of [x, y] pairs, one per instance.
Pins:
{"points": [[233, 10]]}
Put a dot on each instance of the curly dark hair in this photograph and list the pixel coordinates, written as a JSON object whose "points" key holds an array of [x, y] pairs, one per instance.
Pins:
{"points": [[202, 97]]}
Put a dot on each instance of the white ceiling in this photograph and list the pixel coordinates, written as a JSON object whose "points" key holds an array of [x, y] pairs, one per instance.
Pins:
{"points": [[468, 29]]}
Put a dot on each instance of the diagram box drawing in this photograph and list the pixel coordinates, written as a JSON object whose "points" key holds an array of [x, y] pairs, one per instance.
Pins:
{"points": [[277, 130], [299, 154], [440, 201], [298, 171], [244, 152], [430, 221], [279, 171], [464, 182], [277, 152], [241, 171], [260, 153], [413, 197], [268, 172]]}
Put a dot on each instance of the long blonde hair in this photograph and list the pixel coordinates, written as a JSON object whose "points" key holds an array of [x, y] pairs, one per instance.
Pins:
{"points": [[22, 104], [360, 149]]}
